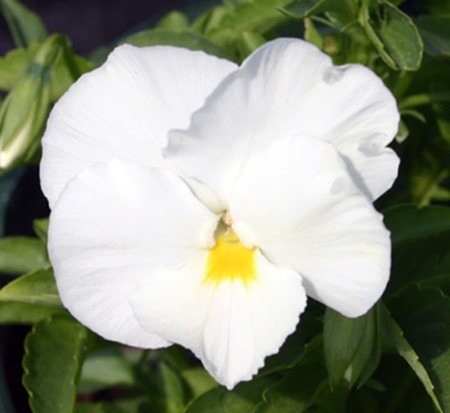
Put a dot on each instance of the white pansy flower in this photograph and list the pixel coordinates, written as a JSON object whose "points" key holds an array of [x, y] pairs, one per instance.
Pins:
{"points": [[197, 202]]}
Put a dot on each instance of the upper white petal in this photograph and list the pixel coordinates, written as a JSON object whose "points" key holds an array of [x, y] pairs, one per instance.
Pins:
{"points": [[231, 327], [290, 87], [124, 109], [113, 225], [298, 204]]}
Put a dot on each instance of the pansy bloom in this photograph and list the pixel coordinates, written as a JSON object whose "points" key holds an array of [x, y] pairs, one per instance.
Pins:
{"points": [[197, 202]]}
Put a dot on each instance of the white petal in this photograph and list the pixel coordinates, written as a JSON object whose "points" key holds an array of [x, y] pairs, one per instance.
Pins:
{"points": [[290, 87], [298, 204], [231, 327], [125, 108], [112, 225]]}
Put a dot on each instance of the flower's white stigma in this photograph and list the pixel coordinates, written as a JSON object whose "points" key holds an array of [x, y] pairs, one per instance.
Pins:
{"points": [[226, 218]]}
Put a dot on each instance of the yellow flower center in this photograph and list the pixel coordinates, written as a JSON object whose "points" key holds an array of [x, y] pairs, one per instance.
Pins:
{"points": [[230, 260]]}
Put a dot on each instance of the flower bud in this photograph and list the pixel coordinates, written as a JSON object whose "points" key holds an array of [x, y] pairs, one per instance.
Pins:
{"points": [[23, 113]]}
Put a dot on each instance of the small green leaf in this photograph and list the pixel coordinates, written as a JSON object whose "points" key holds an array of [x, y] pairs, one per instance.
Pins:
{"points": [[174, 21], [26, 26], [249, 42], [198, 380], [403, 132], [312, 35], [423, 313], [242, 399], [210, 20], [186, 39], [54, 352], [171, 388], [105, 368], [40, 227], [352, 347], [394, 338], [19, 255], [37, 287], [394, 35]]}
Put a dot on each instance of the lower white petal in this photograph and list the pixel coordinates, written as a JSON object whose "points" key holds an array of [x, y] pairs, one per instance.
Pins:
{"points": [[112, 225], [230, 325]]}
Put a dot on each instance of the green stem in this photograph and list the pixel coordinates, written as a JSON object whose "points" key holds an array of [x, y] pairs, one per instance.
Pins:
{"points": [[323, 21], [424, 199], [424, 99]]}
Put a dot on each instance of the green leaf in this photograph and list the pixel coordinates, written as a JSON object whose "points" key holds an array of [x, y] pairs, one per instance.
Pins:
{"points": [[198, 380], [174, 21], [420, 243], [292, 350], [313, 35], [54, 352], [341, 12], [423, 313], [171, 388], [259, 16], [435, 31], [394, 338], [394, 35], [185, 39], [30, 298], [24, 313], [19, 255], [40, 227], [26, 26], [105, 368], [408, 222], [210, 20], [249, 42], [300, 386], [403, 132], [37, 287], [242, 399], [352, 346]]}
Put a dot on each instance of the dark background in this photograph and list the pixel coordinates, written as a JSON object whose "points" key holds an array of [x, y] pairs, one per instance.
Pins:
{"points": [[93, 23]]}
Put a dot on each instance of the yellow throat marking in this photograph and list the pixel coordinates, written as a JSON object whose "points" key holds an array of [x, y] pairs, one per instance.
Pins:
{"points": [[230, 260]]}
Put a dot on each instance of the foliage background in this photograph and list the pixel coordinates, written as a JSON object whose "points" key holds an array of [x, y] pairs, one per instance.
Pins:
{"points": [[396, 358]]}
